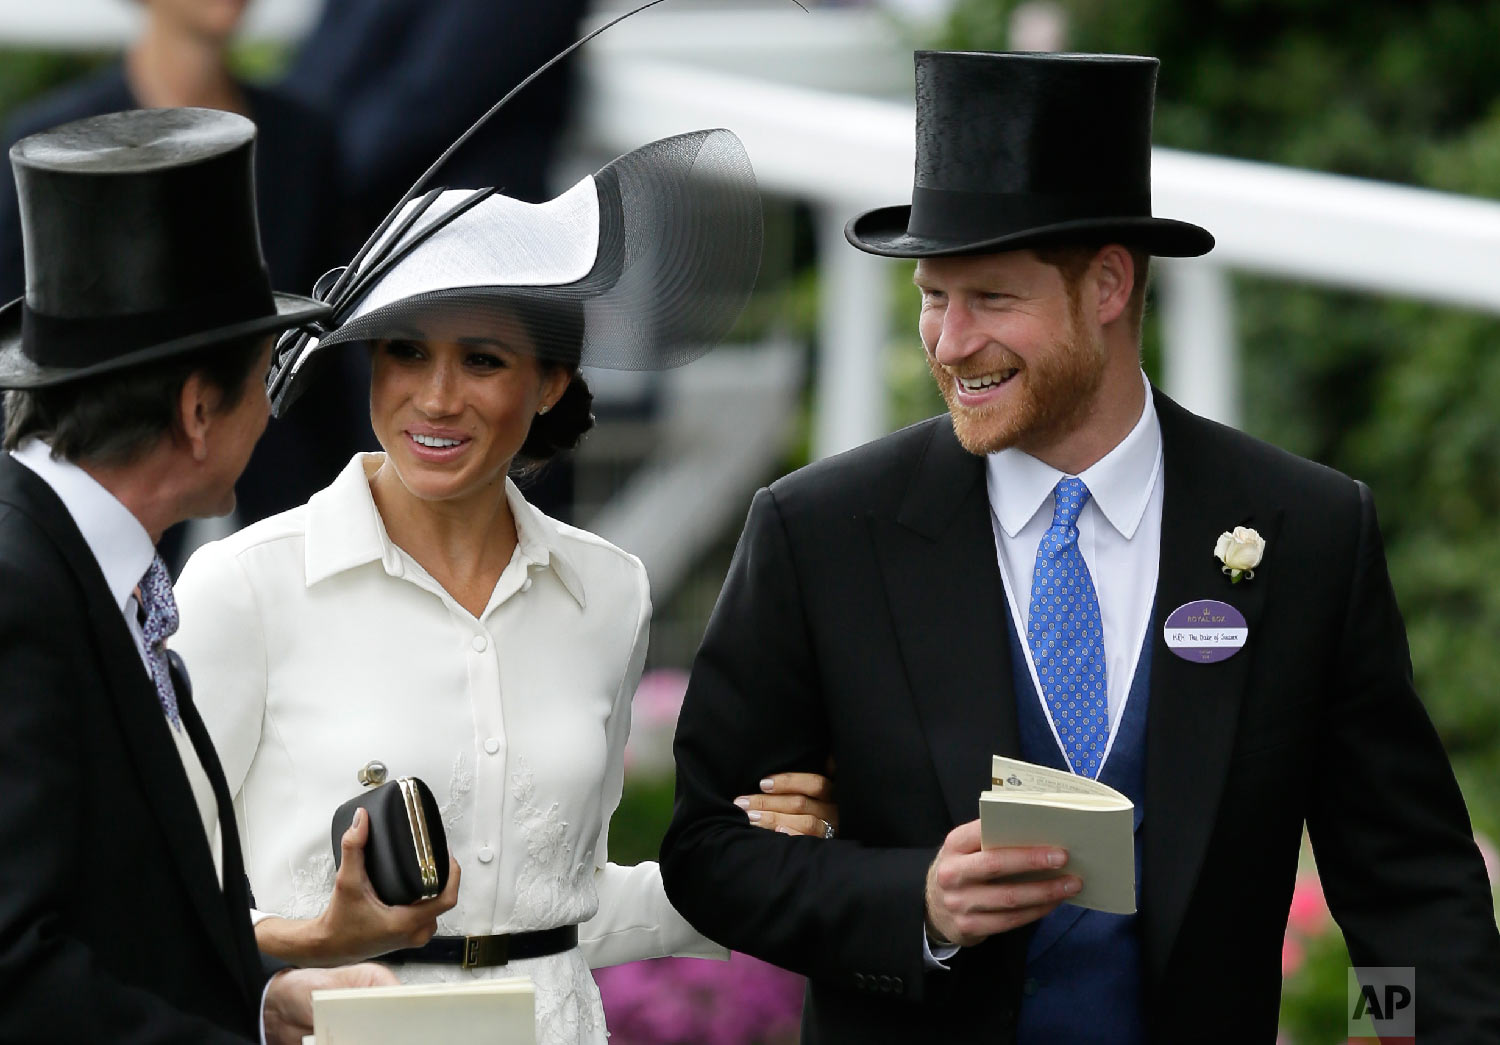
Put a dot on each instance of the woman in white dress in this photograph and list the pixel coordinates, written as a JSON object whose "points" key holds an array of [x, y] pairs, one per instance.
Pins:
{"points": [[420, 614]]}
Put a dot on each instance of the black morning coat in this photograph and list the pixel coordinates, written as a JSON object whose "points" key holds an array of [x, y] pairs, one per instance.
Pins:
{"points": [[863, 619], [113, 927]]}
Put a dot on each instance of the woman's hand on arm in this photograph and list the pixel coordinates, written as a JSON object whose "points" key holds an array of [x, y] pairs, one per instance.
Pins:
{"points": [[794, 804], [356, 924]]}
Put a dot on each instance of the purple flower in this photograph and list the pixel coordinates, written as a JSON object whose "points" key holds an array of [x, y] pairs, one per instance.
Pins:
{"points": [[690, 1001]]}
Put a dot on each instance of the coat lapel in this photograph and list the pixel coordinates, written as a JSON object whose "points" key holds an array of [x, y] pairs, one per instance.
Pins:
{"points": [[1194, 708], [137, 710], [942, 578]]}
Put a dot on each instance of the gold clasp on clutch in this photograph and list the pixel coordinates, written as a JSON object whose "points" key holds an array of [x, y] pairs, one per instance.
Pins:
{"points": [[372, 773], [422, 841]]}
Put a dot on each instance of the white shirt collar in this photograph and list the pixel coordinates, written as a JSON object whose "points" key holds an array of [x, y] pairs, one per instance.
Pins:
{"points": [[1120, 482], [120, 544], [344, 529]]}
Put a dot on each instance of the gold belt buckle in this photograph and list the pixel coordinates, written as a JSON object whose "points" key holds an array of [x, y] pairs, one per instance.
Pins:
{"points": [[481, 952]]}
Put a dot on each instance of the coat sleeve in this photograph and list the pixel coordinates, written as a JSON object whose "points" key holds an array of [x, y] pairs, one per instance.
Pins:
{"points": [[51, 986], [1388, 825], [635, 919], [837, 910]]}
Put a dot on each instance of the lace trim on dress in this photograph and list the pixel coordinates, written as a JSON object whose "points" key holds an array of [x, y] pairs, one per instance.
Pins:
{"points": [[312, 887], [460, 783], [552, 887], [568, 1007]]}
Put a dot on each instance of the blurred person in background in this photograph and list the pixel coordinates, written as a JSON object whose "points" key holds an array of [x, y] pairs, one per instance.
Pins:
{"points": [[134, 368], [403, 78], [182, 59], [1010, 578]]}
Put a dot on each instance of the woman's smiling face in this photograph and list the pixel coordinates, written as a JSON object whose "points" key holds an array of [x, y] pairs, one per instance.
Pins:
{"points": [[452, 408]]}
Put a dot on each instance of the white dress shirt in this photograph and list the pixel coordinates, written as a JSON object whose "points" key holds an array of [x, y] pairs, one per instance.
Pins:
{"points": [[317, 646], [1119, 535], [124, 551]]}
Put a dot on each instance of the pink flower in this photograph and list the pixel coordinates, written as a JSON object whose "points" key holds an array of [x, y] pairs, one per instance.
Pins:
{"points": [[1293, 954], [1491, 858], [1308, 915], [658, 698]]}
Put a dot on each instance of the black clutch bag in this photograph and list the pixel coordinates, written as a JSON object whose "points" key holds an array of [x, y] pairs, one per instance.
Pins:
{"points": [[406, 852]]}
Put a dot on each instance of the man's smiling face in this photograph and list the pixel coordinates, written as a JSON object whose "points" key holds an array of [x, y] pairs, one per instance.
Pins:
{"points": [[1009, 348]]}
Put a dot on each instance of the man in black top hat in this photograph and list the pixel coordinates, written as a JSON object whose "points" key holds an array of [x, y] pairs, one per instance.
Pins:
{"points": [[182, 57], [1072, 570], [135, 366]]}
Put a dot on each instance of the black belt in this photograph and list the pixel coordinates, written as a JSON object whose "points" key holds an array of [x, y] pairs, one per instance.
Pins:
{"points": [[479, 952]]}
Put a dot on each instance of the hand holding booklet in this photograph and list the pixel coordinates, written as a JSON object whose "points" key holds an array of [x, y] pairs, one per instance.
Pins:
{"points": [[1031, 805]]}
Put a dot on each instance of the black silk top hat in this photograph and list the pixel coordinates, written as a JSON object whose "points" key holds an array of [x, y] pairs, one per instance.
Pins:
{"points": [[1022, 150], [140, 243]]}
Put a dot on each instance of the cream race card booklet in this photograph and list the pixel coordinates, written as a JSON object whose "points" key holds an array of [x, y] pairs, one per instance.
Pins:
{"points": [[1033, 805], [499, 1011]]}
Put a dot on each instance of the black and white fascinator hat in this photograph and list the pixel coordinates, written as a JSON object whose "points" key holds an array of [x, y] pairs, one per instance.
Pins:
{"points": [[644, 265]]}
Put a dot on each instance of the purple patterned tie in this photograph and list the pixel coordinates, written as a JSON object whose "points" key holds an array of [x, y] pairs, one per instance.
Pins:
{"points": [[160, 624]]}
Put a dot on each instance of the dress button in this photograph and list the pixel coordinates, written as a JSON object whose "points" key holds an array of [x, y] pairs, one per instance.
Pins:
{"points": [[526, 584], [859, 980], [481, 643], [486, 854], [1029, 987], [491, 746]]}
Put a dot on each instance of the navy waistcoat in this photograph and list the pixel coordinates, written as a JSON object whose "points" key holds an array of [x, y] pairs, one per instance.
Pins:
{"points": [[1083, 968]]}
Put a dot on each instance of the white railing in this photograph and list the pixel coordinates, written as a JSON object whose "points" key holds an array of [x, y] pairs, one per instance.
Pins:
{"points": [[101, 25], [786, 83], [844, 153]]}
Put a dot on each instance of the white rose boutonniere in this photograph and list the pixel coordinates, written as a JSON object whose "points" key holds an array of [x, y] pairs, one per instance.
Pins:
{"points": [[1240, 551]]}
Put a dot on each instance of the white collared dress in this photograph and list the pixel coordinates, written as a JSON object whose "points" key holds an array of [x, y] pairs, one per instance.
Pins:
{"points": [[315, 646]]}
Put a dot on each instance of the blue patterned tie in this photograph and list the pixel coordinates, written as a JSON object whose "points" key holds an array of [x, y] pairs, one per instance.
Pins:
{"points": [[1067, 637], [160, 624]]}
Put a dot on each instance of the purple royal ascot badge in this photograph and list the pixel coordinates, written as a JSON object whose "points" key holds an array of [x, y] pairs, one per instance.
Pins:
{"points": [[1205, 631]]}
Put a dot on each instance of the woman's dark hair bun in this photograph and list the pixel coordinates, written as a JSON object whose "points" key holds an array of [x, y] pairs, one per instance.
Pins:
{"points": [[562, 427]]}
